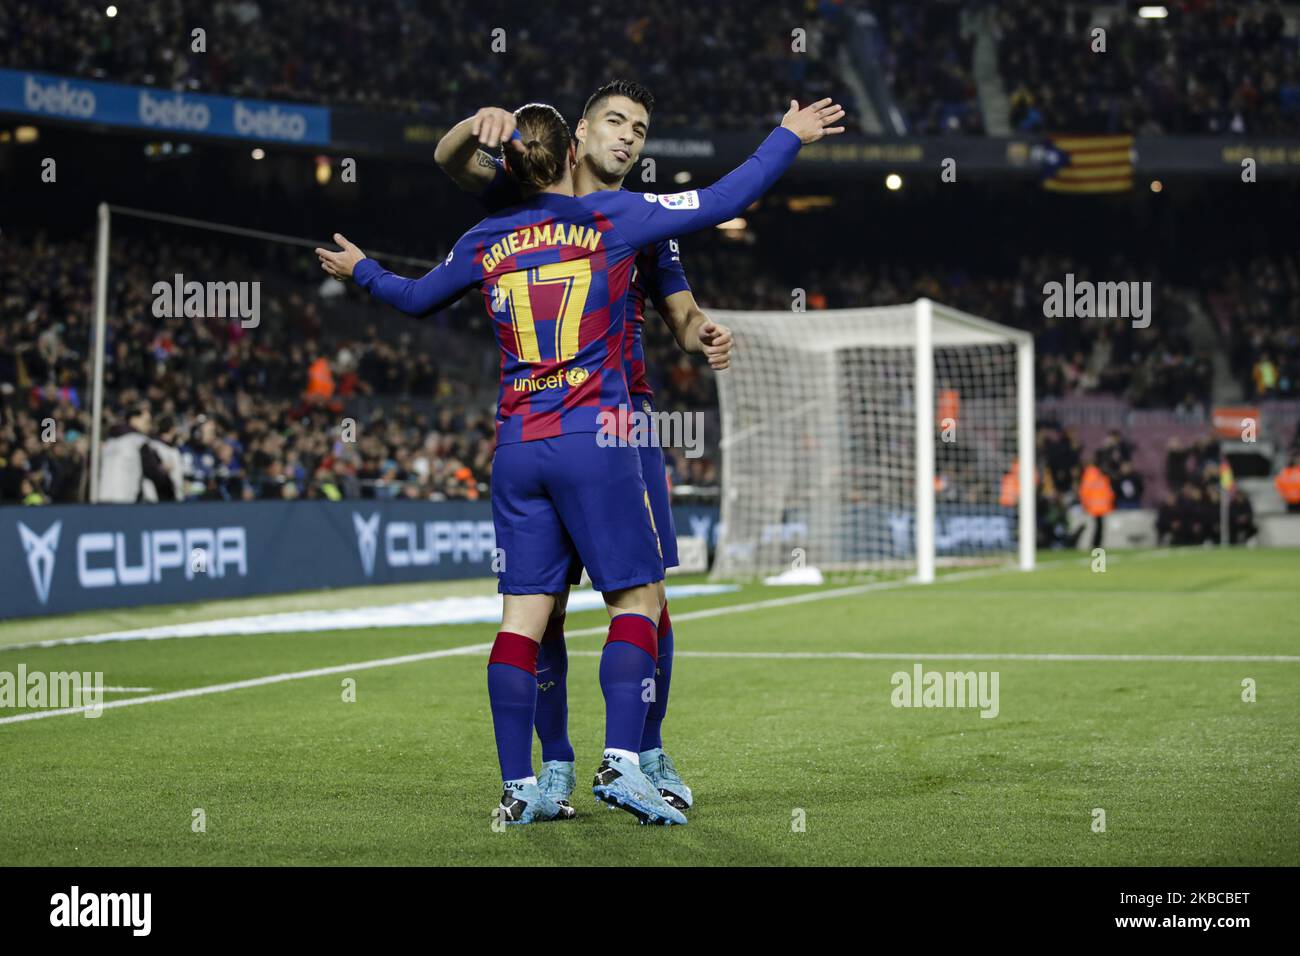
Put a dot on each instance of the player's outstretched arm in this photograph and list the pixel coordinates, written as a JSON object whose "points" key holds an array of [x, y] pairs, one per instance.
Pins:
{"points": [[813, 121], [461, 152], [340, 264], [655, 218], [694, 331], [437, 288]]}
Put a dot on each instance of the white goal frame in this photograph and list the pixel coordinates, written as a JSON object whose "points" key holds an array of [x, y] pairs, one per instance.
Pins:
{"points": [[928, 325]]}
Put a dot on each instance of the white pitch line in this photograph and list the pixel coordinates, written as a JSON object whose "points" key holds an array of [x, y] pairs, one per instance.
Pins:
{"points": [[867, 588], [254, 682], [686, 616], [483, 609], [805, 598], [126, 690], [888, 656], [479, 648], [449, 652]]}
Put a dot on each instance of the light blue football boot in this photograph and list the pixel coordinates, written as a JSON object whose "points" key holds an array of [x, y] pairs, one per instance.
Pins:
{"points": [[526, 803], [659, 770], [557, 780], [620, 783]]}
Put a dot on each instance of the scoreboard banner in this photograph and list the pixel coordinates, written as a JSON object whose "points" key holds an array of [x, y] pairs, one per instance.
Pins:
{"points": [[70, 99]]}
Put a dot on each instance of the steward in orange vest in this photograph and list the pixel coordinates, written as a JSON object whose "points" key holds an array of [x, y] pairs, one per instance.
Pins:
{"points": [[1095, 492], [1287, 483], [320, 380], [1009, 496]]}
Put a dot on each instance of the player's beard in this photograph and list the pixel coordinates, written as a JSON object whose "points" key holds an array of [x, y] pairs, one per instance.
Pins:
{"points": [[606, 167]]}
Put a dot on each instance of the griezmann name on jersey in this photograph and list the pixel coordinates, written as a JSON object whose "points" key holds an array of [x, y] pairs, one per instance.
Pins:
{"points": [[554, 274], [658, 274]]}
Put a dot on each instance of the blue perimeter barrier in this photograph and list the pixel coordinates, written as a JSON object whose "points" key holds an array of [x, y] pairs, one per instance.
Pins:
{"points": [[63, 558]]}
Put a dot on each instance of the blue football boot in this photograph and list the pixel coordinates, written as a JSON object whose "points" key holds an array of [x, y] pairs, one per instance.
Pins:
{"points": [[557, 780], [659, 770], [620, 783], [526, 803]]}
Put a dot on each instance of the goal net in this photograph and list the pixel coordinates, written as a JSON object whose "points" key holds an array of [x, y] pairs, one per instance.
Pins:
{"points": [[873, 440]]}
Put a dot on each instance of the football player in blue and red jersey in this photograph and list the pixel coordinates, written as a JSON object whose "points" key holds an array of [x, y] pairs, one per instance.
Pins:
{"points": [[553, 273], [610, 136]]}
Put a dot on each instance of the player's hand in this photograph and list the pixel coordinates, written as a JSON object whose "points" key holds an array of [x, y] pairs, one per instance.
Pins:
{"points": [[340, 264], [716, 342], [493, 126], [813, 121]]}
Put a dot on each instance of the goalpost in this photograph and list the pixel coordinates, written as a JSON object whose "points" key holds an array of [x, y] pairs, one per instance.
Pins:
{"points": [[875, 439]]}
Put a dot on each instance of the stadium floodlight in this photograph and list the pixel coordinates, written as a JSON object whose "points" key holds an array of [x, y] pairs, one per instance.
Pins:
{"points": [[875, 439]]}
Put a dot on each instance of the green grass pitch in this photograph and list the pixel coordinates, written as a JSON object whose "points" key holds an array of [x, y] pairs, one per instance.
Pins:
{"points": [[1185, 770]]}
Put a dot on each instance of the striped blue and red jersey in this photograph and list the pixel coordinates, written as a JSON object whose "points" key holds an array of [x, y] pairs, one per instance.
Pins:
{"points": [[657, 275], [554, 274]]}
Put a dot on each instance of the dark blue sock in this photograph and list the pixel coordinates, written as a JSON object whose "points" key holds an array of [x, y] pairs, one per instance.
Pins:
{"points": [[512, 692], [626, 666], [552, 717], [652, 736]]}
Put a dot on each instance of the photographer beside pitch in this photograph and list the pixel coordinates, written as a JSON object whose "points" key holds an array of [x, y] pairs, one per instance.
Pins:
{"points": [[610, 136], [559, 496]]}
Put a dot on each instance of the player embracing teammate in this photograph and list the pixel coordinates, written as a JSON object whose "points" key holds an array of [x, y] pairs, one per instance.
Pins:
{"points": [[555, 272], [610, 136]]}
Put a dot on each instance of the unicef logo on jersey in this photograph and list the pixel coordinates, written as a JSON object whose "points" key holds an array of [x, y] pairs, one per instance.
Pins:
{"points": [[572, 377]]}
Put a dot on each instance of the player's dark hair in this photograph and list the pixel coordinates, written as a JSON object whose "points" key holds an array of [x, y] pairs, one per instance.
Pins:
{"points": [[546, 140], [633, 91]]}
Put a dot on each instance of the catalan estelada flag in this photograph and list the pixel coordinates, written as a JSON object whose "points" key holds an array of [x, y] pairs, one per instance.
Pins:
{"points": [[1091, 164]]}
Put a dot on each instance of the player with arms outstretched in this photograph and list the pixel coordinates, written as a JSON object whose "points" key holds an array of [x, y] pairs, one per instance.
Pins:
{"points": [[553, 272], [610, 136]]}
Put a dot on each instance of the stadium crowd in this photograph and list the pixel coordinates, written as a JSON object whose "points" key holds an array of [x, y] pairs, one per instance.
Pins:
{"points": [[1155, 367], [1188, 514], [728, 69], [1191, 512], [1214, 67], [927, 58], [259, 413], [256, 413], [1258, 311]]}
